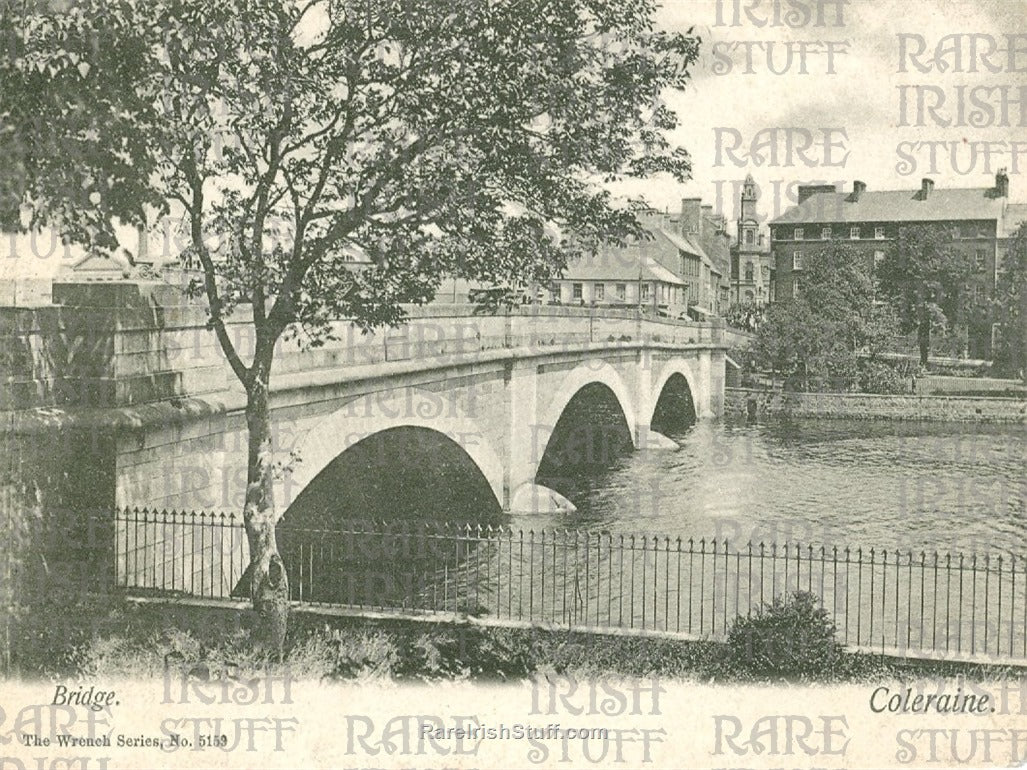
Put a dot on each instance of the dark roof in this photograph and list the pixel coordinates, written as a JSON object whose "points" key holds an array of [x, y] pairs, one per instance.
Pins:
{"points": [[896, 206], [689, 245]]}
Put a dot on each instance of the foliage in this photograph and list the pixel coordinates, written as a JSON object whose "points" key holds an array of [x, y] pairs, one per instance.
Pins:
{"points": [[109, 638], [421, 141], [334, 158], [816, 340], [886, 378], [793, 637], [923, 277], [1011, 309]]}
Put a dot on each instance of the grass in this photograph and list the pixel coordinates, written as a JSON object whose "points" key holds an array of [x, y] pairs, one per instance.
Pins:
{"points": [[106, 638]]}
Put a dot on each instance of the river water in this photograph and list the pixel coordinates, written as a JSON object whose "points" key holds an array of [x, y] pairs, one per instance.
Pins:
{"points": [[906, 485]]}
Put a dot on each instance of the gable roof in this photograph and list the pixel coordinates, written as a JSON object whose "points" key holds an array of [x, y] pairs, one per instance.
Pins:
{"points": [[622, 265], [689, 245], [896, 206]]}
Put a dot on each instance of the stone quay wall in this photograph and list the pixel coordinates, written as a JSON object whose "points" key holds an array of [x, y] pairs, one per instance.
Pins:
{"points": [[871, 406]]}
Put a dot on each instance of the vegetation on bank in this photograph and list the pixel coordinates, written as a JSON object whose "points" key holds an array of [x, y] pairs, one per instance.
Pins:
{"points": [[839, 332], [106, 638]]}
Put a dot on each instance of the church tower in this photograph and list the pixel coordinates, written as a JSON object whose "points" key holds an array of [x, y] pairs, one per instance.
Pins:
{"points": [[748, 224], [750, 269]]}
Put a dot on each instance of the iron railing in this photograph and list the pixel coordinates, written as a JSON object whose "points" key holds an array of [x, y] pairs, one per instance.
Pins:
{"points": [[952, 604]]}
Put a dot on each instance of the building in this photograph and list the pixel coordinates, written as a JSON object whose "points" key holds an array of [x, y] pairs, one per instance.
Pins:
{"points": [[633, 276], [751, 263], [867, 224], [679, 268], [716, 243]]}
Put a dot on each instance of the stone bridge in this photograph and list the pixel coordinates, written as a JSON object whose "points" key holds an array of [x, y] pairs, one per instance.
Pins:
{"points": [[134, 364]]}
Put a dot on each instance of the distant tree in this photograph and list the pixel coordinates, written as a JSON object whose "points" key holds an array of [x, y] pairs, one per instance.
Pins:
{"points": [[425, 139], [1010, 308], [923, 278], [816, 339]]}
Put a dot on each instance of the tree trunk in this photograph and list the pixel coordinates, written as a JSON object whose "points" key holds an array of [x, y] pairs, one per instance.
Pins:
{"points": [[269, 584], [923, 337]]}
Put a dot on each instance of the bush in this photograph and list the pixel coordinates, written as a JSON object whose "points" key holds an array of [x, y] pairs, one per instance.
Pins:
{"points": [[879, 377], [790, 638]]}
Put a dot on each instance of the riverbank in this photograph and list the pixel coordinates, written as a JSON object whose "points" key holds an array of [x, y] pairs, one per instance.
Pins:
{"points": [[106, 637], [753, 403]]}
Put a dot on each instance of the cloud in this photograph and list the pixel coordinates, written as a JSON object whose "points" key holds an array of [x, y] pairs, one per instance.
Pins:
{"points": [[862, 96]]}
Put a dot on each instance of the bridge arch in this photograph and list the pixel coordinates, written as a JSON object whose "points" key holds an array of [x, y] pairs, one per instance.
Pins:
{"points": [[374, 413], [687, 369], [570, 386]]}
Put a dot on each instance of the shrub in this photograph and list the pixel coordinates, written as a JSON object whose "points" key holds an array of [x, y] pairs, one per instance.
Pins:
{"points": [[879, 377], [791, 637]]}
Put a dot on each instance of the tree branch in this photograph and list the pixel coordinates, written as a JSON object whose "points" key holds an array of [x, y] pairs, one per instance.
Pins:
{"points": [[216, 305]]}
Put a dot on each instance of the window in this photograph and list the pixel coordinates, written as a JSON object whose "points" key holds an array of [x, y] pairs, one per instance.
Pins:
{"points": [[750, 237], [878, 258], [576, 291], [645, 292], [600, 292], [879, 233], [854, 233], [749, 271], [796, 286], [796, 260], [798, 233], [978, 292], [825, 233], [621, 290], [981, 259]]}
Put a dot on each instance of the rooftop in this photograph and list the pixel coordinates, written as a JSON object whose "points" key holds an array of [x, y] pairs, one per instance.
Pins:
{"points": [[896, 206], [627, 264]]}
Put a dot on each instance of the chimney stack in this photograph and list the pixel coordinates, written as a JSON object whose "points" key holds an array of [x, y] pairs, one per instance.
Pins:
{"points": [[858, 188], [808, 190], [1002, 184], [926, 186]]}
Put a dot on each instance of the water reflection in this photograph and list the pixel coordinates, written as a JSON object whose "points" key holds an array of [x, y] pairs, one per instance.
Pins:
{"points": [[906, 485]]}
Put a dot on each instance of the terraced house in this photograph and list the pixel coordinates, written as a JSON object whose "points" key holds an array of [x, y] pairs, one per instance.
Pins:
{"points": [[680, 268], [867, 223]]}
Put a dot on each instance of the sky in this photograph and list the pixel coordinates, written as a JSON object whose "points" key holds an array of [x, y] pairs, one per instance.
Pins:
{"points": [[857, 108], [842, 118]]}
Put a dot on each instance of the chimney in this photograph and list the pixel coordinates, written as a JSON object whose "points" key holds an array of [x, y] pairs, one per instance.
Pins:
{"points": [[1002, 184], [691, 216], [808, 190], [858, 188], [926, 186]]}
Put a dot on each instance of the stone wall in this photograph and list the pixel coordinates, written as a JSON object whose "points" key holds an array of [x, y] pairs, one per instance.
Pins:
{"points": [[868, 406]]}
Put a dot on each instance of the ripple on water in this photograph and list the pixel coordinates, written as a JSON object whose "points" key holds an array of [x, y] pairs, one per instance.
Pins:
{"points": [[911, 486]]}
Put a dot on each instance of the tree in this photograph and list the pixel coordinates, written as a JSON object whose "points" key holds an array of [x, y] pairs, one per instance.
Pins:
{"points": [[1010, 308], [442, 137], [923, 278], [816, 338]]}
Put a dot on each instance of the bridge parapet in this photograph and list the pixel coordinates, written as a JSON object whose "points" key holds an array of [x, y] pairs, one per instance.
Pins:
{"points": [[445, 332], [123, 344]]}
